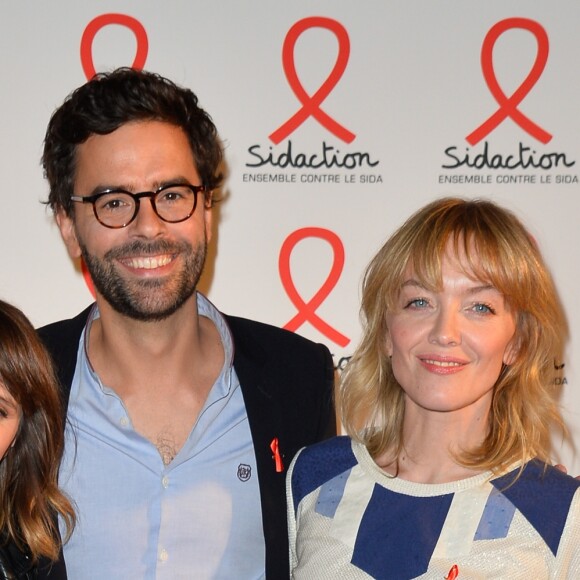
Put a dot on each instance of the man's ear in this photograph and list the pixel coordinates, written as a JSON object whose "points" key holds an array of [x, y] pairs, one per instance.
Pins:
{"points": [[68, 233], [207, 216]]}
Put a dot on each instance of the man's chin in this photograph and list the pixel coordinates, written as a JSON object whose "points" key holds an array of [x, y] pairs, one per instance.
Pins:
{"points": [[144, 305], [153, 314]]}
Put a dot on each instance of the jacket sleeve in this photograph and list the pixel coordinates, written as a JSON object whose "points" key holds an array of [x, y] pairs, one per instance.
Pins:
{"points": [[328, 415]]}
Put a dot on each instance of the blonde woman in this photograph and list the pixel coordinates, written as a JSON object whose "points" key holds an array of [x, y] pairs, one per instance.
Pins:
{"points": [[447, 403]]}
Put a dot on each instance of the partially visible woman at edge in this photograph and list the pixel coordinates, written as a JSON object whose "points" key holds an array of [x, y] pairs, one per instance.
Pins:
{"points": [[31, 441], [448, 403]]}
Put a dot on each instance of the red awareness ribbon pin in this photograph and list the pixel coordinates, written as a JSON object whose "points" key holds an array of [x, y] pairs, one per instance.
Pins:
{"points": [[453, 573], [275, 447], [508, 105], [311, 104], [87, 277]]}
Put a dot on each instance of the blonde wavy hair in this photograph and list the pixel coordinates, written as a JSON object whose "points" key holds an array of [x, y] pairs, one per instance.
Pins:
{"points": [[30, 499], [499, 251]]}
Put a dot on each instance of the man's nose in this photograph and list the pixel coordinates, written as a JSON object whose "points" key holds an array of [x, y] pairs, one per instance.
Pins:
{"points": [[147, 223]]}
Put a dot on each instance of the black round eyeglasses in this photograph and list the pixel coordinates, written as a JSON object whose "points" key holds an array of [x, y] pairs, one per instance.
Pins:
{"points": [[117, 208]]}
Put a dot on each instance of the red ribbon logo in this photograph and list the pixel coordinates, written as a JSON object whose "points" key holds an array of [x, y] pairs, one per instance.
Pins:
{"points": [[311, 105], [104, 20], [307, 310], [508, 105], [87, 277]]}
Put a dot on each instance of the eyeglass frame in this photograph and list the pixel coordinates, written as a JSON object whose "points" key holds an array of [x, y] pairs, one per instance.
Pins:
{"points": [[137, 198]]}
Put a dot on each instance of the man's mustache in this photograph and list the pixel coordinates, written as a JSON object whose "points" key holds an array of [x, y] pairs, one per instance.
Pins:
{"points": [[142, 248]]}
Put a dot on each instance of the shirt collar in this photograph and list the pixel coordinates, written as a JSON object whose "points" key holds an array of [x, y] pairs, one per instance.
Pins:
{"points": [[204, 308]]}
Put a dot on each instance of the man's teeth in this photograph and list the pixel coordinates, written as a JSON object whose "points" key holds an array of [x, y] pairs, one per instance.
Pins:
{"points": [[150, 263]]}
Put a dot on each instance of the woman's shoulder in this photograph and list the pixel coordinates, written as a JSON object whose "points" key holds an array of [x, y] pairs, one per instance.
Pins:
{"points": [[545, 496], [15, 564], [538, 478], [329, 455], [317, 464]]}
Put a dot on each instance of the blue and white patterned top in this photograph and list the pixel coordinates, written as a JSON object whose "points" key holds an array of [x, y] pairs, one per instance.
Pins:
{"points": [[348, 519]]}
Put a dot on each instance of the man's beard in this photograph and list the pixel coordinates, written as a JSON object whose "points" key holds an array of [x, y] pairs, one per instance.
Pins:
{"points": [[147, 299]]}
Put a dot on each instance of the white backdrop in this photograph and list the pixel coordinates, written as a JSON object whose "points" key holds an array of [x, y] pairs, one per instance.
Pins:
{"points": [[385, 88]]}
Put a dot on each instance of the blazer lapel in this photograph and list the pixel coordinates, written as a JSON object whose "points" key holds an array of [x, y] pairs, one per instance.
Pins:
{"points": [[259, 382]]}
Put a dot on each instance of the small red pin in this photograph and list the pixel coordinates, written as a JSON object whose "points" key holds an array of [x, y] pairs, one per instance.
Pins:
{"points": [[453, 573], [274, 446]]}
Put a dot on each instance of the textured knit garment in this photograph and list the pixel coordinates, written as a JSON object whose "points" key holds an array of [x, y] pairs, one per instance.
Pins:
{"points": [[348, 519]]}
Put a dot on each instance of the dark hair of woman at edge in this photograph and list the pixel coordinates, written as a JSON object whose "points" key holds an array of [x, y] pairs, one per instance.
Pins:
{"points": [[29, 496]]}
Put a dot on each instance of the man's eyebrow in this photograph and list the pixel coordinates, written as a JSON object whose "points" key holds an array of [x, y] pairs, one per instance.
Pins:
{"points": [[103, 187], [106, 187]]}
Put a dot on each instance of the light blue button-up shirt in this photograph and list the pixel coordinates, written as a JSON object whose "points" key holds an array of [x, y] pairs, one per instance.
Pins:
{"points": [[198, 517]]}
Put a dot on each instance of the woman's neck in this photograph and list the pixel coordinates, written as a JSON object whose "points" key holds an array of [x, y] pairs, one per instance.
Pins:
{"points": [[432, 442]]}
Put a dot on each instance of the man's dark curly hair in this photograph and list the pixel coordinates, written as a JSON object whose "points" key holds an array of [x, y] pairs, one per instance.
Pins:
{"points": [[110, 100]]}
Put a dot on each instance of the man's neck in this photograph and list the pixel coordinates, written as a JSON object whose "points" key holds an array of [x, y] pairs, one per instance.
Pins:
{"points": [[127, 351], [163, 371]]}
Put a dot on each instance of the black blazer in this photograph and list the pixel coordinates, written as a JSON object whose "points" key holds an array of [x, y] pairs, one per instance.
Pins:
{"points": [[287, 384]]}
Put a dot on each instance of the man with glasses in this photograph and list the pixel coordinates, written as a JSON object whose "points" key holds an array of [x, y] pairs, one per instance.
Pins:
{"points": [[181, 420]]}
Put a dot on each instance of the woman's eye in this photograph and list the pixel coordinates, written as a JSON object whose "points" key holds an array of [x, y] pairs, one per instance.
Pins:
{"points": [[417, 303], [483, 308]]}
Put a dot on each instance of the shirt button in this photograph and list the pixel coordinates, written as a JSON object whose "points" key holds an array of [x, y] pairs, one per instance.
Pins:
{"points": [[165, 481], [124, 421], [163, 555]]}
